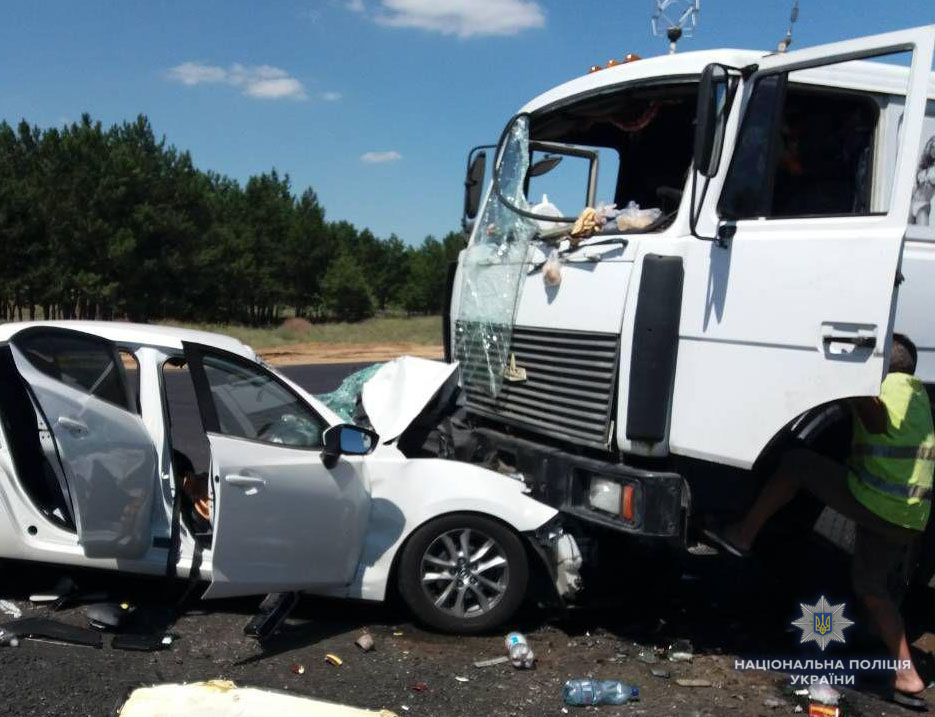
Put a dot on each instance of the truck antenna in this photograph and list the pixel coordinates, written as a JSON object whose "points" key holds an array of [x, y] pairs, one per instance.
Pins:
{"points": [[787, 40], [675, 19]]}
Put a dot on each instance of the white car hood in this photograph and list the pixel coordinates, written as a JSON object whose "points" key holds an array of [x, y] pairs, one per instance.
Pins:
{"points": [[398, 392]]}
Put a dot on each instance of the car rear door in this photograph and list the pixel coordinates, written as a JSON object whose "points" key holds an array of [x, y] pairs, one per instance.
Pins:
{"points": [[282, 520], [106, 454], [793, 305]]}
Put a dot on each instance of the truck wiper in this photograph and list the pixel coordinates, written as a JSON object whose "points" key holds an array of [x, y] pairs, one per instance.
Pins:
{"points": [[572, 249]]}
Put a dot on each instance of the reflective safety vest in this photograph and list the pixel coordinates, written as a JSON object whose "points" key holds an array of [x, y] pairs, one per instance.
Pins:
{"points": [[891, 472]]}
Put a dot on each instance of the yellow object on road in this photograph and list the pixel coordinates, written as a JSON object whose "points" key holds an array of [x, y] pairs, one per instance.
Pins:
{"points": [[222, 698]]}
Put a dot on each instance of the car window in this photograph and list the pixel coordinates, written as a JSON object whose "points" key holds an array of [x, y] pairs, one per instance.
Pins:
{"points": [[131, 370], [252, 403], [84, 363]]}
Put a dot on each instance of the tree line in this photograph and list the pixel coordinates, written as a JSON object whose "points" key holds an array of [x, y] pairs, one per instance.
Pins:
{"points": [[114, 223]]}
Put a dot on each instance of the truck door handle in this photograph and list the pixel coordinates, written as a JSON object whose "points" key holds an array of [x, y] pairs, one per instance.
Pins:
{"points": [[245, 481], [73, 426], [860, 342]]}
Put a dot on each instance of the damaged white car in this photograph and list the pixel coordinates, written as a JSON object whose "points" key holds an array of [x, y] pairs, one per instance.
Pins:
{"points": [[159, 450]]}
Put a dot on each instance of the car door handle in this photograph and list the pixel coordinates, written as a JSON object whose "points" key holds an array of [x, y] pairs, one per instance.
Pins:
{"points": [[73, 426], [245, 481]]}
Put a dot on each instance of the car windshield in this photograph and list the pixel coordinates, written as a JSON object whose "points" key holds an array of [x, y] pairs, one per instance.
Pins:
{"points": [[625, 153]]}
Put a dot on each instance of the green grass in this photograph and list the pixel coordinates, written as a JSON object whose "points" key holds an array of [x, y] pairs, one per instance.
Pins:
{"points": [[417, 329]]}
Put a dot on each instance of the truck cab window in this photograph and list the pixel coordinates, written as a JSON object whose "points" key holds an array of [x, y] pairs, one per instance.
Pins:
{"points": [[806, 151]]}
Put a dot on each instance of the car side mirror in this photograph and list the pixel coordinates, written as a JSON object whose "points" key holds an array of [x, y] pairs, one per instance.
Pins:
{"points": [[347, 440], [710, 117], [473, 184]]}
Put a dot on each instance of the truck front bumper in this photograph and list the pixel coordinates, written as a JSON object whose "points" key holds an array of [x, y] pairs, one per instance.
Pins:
{"points": [[657, 501]]}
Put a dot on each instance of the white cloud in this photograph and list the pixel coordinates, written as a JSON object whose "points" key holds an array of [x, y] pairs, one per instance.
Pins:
{"points": [[355, 5], [464, 18], [259, 81], [331, 96], [381, 157], [194, 73]]}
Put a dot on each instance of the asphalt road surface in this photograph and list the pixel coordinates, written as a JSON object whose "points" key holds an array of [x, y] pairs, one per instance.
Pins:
{"points": [[725, 609]]}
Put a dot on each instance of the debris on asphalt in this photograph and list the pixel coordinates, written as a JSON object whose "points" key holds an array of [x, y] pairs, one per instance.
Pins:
{"points": [[681, 651], [365, 642], [648, 656], [420, 687], [492, 661], [521, 654], [141, 643], [659, 672], [772, 703], [298, 669], [461, 679], [108, 616], [225, 699], [8, 639], [63, 588], [581, 692], [398, 633], [11, 609], [43, 628], [692, 682], [333, 659], [824, 694]]}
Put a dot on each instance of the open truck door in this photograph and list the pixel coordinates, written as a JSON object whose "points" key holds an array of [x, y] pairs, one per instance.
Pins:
{"points": [[106, 459], [790, 304], [284, 518]]}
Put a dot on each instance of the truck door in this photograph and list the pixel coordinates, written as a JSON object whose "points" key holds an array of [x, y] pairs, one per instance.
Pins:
{"points": [[107, 456], [282, 520], [791, 303]]}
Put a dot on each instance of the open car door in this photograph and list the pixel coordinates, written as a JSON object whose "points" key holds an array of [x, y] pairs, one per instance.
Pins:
{"points": [[282, 520], [105, 453], [794, 300]]}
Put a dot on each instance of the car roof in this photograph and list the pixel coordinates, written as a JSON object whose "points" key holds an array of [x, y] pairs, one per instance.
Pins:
{"points": [[166, 337]]}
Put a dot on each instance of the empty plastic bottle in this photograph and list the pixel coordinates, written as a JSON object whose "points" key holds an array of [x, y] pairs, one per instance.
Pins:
{"points": [[521, 654], [598, 692]]}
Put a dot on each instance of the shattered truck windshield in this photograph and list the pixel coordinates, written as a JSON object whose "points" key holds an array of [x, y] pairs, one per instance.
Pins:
{"points": [[624, 154], [612, 163]]}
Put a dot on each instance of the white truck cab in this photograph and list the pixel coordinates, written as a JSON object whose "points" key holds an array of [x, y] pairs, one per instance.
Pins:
{"points": [[777, 226]]}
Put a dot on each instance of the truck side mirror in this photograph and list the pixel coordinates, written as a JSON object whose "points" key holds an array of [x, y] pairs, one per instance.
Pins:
{"points": [[473, 183], [544, 166], [711, 116]]}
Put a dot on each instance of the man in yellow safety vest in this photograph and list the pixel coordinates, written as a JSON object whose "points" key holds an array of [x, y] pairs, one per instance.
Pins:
{"points": [[886, 489]]}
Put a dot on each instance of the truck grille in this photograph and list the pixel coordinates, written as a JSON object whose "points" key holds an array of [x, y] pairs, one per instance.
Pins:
{"points": [[569, 388]]}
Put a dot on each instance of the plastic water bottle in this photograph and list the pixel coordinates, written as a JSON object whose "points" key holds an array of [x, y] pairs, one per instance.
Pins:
{"points": [[521, 654], [598, 692]]}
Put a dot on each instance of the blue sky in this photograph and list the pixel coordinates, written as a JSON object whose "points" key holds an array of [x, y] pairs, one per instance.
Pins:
{"points": [[373, 103]]}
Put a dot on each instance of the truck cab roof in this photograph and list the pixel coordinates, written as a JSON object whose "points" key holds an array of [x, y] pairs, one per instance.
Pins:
{"points": [[857, 75]]}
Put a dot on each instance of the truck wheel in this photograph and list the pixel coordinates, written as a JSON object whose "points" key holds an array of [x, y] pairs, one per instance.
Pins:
{"points": [[463, 573]]}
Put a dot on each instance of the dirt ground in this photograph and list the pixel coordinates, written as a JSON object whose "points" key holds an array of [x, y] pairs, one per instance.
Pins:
{"points": [[332, 353], [726, 611]]}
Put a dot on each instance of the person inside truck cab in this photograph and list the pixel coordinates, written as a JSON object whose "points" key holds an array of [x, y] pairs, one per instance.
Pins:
{"points": [[885, 488]]}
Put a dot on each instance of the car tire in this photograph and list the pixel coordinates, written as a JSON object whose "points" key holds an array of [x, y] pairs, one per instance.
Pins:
{"points": [[469, 591]]}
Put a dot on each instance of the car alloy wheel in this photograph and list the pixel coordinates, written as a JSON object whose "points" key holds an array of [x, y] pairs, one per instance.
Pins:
{"points": [[465, 572]]}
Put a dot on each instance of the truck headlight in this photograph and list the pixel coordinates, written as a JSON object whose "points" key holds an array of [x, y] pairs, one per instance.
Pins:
{"points": [[605, 495]]}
